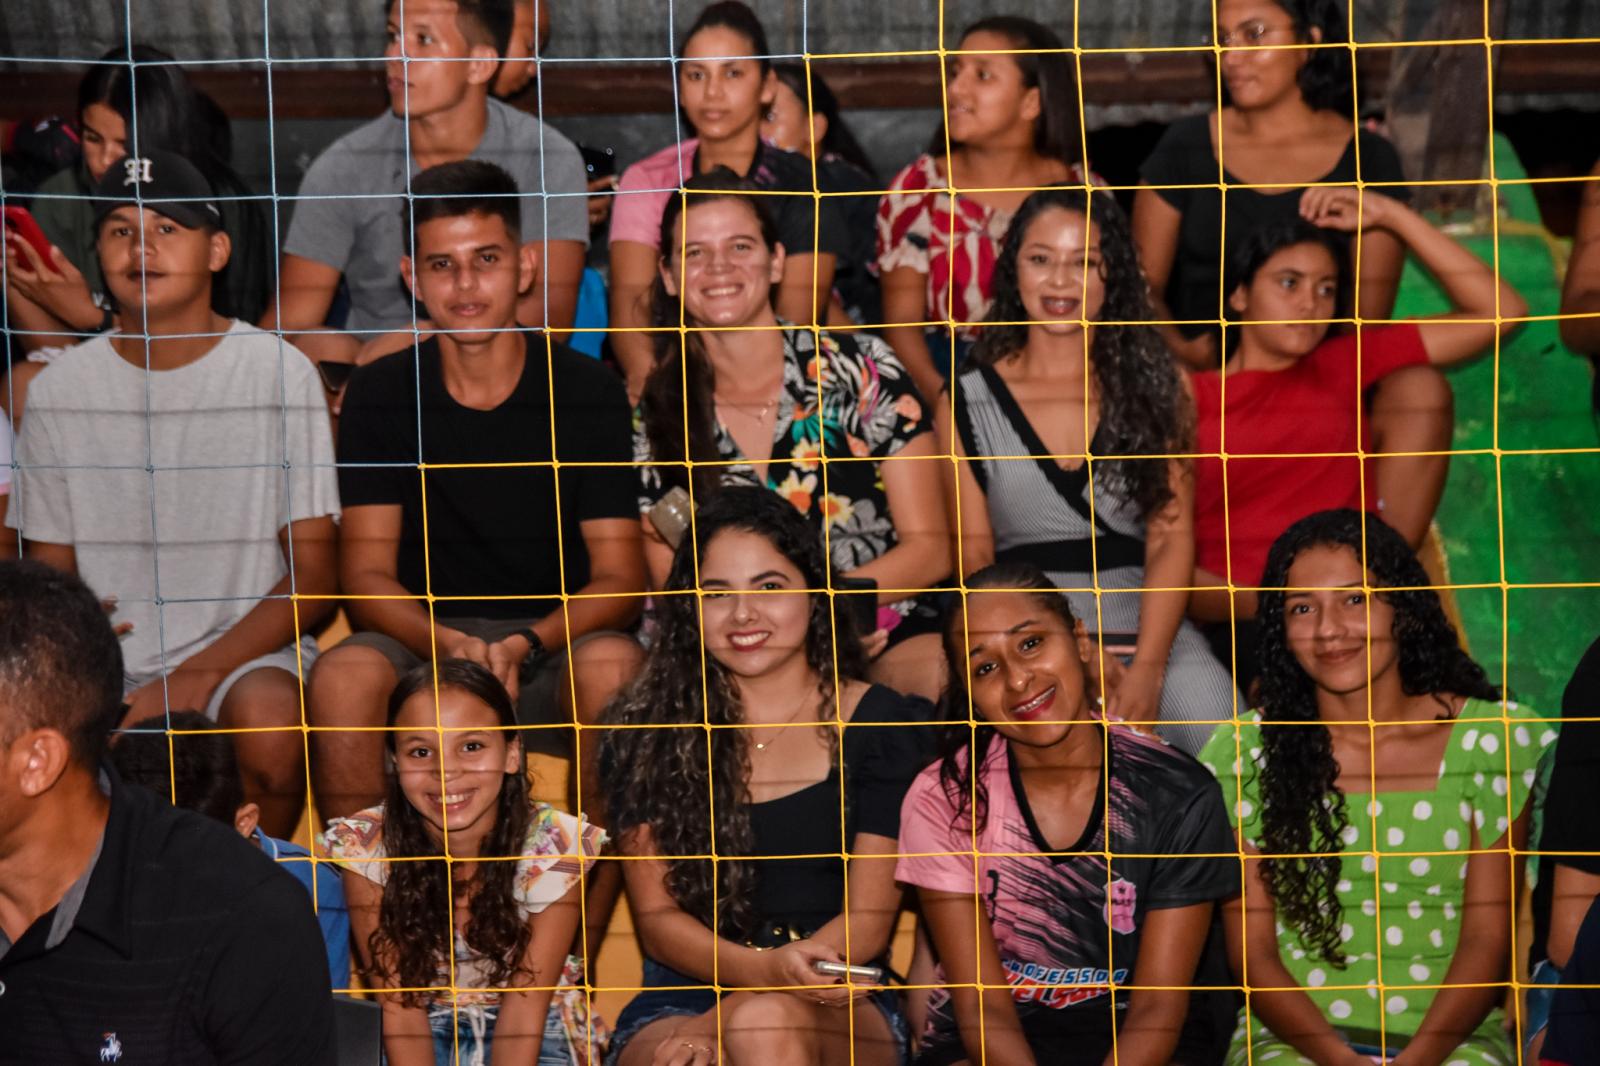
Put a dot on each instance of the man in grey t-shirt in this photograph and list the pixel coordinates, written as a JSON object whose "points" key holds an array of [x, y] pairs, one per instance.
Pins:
{"points": [[443, 57]]}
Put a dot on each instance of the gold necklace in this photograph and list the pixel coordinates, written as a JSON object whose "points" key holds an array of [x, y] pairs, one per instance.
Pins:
{"points": [[761, 745]]}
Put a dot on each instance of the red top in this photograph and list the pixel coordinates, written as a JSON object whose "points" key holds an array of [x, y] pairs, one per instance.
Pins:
{"points": [[1292, 439]]}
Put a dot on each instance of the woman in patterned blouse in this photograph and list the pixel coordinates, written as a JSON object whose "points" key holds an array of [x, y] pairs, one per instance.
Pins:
{"points": [[1012, 127], [764, 403]]}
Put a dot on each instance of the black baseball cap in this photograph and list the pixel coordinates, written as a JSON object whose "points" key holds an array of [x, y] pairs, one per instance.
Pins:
{"points": [[179, 190]]}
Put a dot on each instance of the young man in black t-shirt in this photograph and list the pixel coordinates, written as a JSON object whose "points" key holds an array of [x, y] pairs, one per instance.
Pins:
{"points": [[495, 546]]}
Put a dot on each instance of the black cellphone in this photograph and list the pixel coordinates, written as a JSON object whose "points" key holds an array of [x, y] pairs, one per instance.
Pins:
{"points": [[856, 598], [334, 374], [598, 162]]}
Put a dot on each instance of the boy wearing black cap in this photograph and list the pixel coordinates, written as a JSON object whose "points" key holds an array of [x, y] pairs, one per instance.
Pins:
{"points": [[183, 466]]}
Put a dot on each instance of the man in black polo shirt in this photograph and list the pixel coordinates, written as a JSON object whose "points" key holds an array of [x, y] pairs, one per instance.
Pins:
{"points": [[130, 932]]}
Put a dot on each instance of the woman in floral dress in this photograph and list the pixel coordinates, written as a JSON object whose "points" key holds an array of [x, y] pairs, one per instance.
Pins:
{"points": [[755, 400]]}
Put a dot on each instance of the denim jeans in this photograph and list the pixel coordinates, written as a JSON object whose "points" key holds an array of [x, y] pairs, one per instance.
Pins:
{"points": [[463, 1037]]}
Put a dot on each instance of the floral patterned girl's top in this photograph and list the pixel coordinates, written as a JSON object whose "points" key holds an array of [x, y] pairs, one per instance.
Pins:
{"points": [[865, 408], [953, 240], [554, 854]]}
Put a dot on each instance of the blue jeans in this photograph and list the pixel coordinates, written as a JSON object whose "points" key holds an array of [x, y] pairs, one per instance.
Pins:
{"points": [[1544, 979], [671, 994], [469, 1033]]}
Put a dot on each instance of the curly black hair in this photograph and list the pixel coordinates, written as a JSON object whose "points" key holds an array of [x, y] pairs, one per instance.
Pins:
{"points": [[963, 745], [413, 933], [1325, 82], [1302, 809], [1144, 407], [678, 403], [661, 778]]}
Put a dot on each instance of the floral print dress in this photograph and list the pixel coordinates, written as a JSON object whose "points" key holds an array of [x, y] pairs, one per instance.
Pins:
{"points": [[845, 399], [557, 849]]}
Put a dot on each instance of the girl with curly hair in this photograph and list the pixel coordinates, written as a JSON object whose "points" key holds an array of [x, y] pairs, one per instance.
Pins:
{"points": [[1050, 400], [1287, 121], [476, 940], [751, 399], [1018, 818], [1381, 797], [750, 736]]}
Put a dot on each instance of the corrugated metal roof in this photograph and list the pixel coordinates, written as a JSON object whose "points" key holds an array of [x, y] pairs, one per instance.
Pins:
{"points": [[198, 30]]}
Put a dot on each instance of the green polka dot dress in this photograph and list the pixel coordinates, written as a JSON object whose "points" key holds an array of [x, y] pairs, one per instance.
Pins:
{"points": [[1401, 900]]}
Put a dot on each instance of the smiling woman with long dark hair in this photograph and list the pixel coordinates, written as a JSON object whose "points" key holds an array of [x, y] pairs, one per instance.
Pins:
{"points": [[751, 736], [1381, 791], [480, 942], [1050, 383], [1058, 955], [1287, 121]]}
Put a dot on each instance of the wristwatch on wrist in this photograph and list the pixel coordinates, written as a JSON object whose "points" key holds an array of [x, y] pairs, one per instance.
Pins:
{"points": [[536, 648]]}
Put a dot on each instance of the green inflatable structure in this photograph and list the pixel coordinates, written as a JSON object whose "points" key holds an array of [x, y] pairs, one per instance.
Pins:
{"points": [[1520, 519]]}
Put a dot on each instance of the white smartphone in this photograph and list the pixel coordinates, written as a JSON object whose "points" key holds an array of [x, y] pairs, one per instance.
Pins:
{"points": [[867, 975]]}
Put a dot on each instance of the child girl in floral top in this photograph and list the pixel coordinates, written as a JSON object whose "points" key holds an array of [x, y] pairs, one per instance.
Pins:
{"points": [[458, 789]]}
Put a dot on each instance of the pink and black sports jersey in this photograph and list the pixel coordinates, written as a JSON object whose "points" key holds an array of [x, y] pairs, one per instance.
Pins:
{"points": [[1067, 926]]}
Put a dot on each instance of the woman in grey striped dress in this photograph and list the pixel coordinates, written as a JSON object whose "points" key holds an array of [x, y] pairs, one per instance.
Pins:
{"points": [[1065, 377]]}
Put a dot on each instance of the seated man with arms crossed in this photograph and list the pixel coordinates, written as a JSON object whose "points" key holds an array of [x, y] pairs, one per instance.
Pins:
{"points": [[183, 466], [487, 542]]}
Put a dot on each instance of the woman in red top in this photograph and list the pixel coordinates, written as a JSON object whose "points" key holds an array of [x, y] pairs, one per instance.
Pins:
{"points": [[1012, 124], [1287, 406]]}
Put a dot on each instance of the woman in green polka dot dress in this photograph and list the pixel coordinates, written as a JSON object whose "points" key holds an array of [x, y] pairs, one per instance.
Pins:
{"points": [[1393, 788]]}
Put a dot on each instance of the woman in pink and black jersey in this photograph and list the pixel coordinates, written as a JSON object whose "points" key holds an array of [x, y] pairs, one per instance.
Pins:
{"points": [[1079, 959]]}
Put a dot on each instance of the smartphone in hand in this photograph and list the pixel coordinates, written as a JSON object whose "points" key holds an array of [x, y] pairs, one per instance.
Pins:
{"points": [[21, 225]]}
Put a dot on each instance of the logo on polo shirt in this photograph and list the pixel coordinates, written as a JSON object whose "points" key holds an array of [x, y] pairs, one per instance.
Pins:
{"points": [[135, 172], [111, 1050]]}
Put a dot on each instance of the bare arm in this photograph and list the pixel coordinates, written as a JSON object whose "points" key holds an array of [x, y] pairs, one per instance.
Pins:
{"points": [[1573, 893], [561, 264], [611, 599], [979, 990], [633, 278], [1168, 570], [1383, 257], [968, 507], [1286, 1009], [305, 293], [921, 555], [63, 557], [1169, 951], [862, 932], [1580, 295], [369, 553], [1480, 968], [1471, 285], [407, 1037], [905, 307], [310, 547], [1156, 224], [519, 1028], [673, 936]]}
